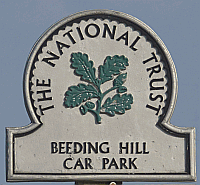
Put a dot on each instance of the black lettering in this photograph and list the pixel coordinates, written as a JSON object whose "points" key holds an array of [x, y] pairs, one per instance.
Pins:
{"points": [[78, 164], [70, 36], [44, 98], [65, 163], [132, 164], [137, 148], [152, 58], [80, 33], [107, 29], [144, 148], [84, 148], [87, 30], [54, 57], [134, 43], [44, 109], [155, 98], [152, 88], [132, 147], [121, 148], [43, 83], [113, 163], [54, 147], [124, 37], [61, 147], [68, 147], [154, 108], [88, 162], [101, 148], [154, 69], [104, 162], [91, 147], [123, 163], [77, 147], [60, 46]]}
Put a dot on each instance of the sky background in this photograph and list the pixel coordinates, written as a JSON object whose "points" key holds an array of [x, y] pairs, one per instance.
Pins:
{"points": [[177, 23]]}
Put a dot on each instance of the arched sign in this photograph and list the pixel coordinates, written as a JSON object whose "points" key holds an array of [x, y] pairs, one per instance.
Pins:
{"points": [[100, 88]]}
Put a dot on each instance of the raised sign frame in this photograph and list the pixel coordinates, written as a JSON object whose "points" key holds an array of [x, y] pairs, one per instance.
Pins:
{"points": [[187, 133]]}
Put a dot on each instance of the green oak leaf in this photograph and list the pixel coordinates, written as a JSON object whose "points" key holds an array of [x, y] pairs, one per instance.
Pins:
{"points": [[118, 104], [112, 66], [122, 89], [120, 79], [83, 67], [78, 94]]}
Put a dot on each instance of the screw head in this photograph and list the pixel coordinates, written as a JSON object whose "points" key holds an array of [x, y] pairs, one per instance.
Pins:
{"points": [[113, 183]]}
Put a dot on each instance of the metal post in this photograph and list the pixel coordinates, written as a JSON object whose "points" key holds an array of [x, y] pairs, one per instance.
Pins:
{"points": [[97, 183]]}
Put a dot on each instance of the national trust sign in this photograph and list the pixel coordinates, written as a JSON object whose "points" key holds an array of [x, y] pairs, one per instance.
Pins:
{"points": [[100, 88]]}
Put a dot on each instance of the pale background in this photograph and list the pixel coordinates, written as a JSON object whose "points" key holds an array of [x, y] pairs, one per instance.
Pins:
{"points": [[177, 22]]}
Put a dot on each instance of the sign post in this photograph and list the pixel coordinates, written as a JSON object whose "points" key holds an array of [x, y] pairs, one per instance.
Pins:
{"points": [[100, 88], [98, 183]]}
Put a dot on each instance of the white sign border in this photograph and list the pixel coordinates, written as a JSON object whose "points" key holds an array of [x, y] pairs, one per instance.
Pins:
{"points": [[11, 133]]}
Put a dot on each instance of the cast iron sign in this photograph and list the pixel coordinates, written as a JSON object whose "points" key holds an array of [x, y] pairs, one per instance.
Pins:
{"points": [[100, 88]]}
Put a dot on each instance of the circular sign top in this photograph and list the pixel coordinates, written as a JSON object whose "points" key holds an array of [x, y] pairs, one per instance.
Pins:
{"points": [[101, 62]]}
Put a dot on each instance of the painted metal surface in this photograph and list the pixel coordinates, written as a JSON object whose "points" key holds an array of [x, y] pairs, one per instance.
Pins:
{"points": [[114, 66]]}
